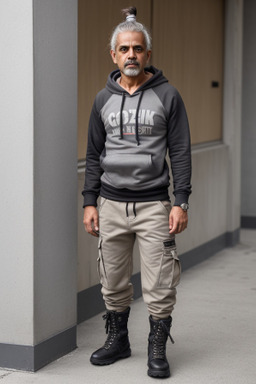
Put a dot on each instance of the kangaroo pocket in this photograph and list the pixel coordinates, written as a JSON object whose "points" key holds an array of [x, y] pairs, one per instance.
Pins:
{"points": [[126, 170]]}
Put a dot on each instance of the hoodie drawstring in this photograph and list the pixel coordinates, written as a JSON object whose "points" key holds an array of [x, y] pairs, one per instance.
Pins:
{"points": [[136, 118], [121, 116]]}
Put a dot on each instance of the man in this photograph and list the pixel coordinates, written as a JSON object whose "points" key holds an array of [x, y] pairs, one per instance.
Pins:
{"points": [[134, 121]]}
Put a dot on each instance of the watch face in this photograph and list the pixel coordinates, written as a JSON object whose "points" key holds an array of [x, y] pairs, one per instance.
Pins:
{"points": [[184, 206]]}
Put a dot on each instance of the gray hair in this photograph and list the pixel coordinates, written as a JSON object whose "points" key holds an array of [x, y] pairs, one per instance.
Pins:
{"points": [[130, 24]]}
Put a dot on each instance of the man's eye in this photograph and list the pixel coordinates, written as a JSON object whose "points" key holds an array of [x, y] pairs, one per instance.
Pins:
{"points": [[138, 49], [123, 49]]}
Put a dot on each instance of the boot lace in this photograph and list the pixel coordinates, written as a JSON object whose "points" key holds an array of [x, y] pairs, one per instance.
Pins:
{"points": [[161, 333], [111, 328]]}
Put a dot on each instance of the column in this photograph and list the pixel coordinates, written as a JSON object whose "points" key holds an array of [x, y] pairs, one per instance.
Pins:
{"points": [[38, 226]]}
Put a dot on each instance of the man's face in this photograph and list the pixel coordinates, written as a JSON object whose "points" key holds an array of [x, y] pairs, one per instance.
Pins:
{"points": [[130, 55]]}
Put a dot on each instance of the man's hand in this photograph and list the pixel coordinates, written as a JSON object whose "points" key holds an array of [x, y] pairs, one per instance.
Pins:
{"points": [[91, 220], [178, 220]]}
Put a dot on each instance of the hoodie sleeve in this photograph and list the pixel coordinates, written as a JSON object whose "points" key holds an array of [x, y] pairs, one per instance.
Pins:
{"points": [[179, 150], [95, 146]]}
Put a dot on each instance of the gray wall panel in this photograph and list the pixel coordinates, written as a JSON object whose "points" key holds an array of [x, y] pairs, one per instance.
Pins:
{"points": [[55, 108], [249, 112]]}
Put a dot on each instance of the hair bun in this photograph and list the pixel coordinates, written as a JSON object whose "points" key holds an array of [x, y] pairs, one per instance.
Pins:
{"points": [[130, 13]]}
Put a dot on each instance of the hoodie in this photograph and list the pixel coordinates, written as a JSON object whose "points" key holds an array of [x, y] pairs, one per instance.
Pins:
{"points": [[128, 138]]}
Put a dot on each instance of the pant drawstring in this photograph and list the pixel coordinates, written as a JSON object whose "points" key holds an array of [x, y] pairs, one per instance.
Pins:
{"points": [[127, 214], [134, 209]]}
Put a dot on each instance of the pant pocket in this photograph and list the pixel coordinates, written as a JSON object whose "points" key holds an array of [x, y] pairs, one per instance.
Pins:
{"points": [[170, 268], [102, 202], [166, 205], [101, 265]]}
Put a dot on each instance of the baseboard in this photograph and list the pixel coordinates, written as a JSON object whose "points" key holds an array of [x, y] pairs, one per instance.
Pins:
{"points": [[248, 222], [232, 238], [197, 255], [32, 358], [90, 301]]}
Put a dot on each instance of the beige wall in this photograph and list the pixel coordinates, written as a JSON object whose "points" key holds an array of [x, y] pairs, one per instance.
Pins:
{"points": [[188, 47]]}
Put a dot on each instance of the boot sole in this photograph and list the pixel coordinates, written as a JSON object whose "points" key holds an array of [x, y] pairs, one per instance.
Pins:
{"points": [[162, 374], [123, 355]]}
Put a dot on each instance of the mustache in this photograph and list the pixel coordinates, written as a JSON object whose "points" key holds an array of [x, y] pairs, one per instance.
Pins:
{"points": [[129, 62]]}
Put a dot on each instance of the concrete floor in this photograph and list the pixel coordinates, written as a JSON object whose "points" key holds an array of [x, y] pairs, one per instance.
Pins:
{"points": [[213, 327]]}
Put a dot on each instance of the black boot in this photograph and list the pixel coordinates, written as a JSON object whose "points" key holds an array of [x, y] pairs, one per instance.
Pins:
{"points": [[158, 365], [117, 345]]}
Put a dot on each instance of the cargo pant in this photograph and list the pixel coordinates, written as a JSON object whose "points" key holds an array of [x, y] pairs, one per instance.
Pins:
{"points": [[120, 224]]}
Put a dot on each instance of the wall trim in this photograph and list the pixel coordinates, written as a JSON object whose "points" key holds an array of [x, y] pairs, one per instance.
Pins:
{"points": [[233, 238], [248, 222], [202, 252], [90, 302], [32, 358]]}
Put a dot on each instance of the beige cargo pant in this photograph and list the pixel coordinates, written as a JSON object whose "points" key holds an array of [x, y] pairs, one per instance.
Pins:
{"points": [[120, 224]]}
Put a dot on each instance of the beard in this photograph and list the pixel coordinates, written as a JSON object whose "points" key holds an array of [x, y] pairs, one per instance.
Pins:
{"points": [[132, 72]]}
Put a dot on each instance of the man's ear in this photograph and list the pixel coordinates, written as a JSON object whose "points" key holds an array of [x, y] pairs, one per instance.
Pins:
{"points": [[148, 55], [113, 55]]}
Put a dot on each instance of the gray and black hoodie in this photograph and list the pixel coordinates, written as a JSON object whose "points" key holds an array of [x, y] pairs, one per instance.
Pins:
{"points": [[128, 139]]}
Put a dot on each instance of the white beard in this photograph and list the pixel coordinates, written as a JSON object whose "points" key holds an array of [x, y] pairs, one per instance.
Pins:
{"points": [[132, 72]]}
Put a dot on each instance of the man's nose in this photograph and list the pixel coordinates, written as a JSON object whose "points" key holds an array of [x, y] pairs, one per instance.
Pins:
{"points": [[132, 54]]}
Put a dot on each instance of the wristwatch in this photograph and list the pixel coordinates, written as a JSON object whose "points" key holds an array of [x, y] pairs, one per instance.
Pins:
{"points": [[184, 206]]}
